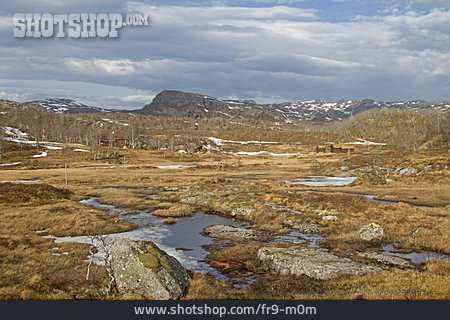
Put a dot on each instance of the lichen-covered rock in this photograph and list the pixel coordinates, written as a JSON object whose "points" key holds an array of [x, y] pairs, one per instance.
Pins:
{"points": [[142, 268], [313, 262], [230, 233], [371, 232]]}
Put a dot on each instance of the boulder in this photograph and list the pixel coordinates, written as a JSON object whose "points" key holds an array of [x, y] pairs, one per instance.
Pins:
{"points": [[142, 268], [306, 227], [407, 171], [313, 262], [329, 218], [371, 232], [230, 233], [241, 211]]}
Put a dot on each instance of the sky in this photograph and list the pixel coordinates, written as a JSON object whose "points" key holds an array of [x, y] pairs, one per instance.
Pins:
{"points": [[265, 50]]}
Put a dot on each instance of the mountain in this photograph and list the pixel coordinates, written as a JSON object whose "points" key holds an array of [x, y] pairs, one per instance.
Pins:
{"points": [[170, 103], [67, 106], [318, 110]]}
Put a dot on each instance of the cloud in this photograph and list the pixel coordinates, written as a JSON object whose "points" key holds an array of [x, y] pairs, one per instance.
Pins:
{"points": [[268, 53], [111, 68], [427, 3]]}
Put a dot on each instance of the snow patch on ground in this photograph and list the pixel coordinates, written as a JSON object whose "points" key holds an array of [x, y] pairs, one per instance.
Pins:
{"points": [[42, 155], [175, 167], [323, 181], [15, 133], [366, 143], [263, 153], [115, 122], [219, 141], [10, 164], [21, 181]]}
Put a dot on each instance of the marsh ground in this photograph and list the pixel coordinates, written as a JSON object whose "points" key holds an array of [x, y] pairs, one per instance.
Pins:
{"points": [[32, 266]]}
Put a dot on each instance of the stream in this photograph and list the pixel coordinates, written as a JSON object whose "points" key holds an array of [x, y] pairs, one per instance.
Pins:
{"points": [[186, 242], [416, 257], [183, 240]]}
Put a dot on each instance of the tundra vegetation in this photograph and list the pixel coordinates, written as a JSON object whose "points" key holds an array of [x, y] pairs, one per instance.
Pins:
{"points": [[170, 167]]}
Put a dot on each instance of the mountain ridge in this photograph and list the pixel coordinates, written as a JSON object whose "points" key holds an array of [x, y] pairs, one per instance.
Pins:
{"points": [[174, 103]]}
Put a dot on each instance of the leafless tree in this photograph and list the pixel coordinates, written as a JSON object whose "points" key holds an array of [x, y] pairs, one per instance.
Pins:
{"points": [[102, 245]]}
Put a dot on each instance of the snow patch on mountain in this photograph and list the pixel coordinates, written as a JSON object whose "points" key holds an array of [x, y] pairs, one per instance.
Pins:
{"points": [[66, 106]]}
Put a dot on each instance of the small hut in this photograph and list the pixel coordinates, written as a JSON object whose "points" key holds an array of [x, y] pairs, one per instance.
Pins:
{"points": [[342, 148], [321, 149]]}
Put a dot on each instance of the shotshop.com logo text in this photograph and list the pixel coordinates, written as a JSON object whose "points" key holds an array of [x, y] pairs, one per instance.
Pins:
{"points": [[74, 25]]}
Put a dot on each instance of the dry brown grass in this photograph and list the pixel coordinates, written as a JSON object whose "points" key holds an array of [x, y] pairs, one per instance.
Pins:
{"points": [[36, 268], [396, 284], [237, 259], [29, 270], [399, 221], [176, 211], [21, 194]]}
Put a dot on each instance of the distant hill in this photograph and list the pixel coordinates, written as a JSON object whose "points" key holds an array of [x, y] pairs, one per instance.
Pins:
{"points": [[171, 103], [193, 105]]}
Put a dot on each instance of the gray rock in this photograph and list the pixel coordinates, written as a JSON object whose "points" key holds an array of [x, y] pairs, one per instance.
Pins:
{"points": [[371, 232], [142, 268], [406, 171], [434, 167], [313, 262], [306, 228], [387, 260], [344, 168], [329, 218], [241, 211], [230, 233], [347, 174], [196, 198]]}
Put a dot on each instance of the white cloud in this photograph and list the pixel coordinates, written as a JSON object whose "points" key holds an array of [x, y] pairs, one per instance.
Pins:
{"points": [[123, 67], [140, 98], [429, 3], [266, 53]]}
